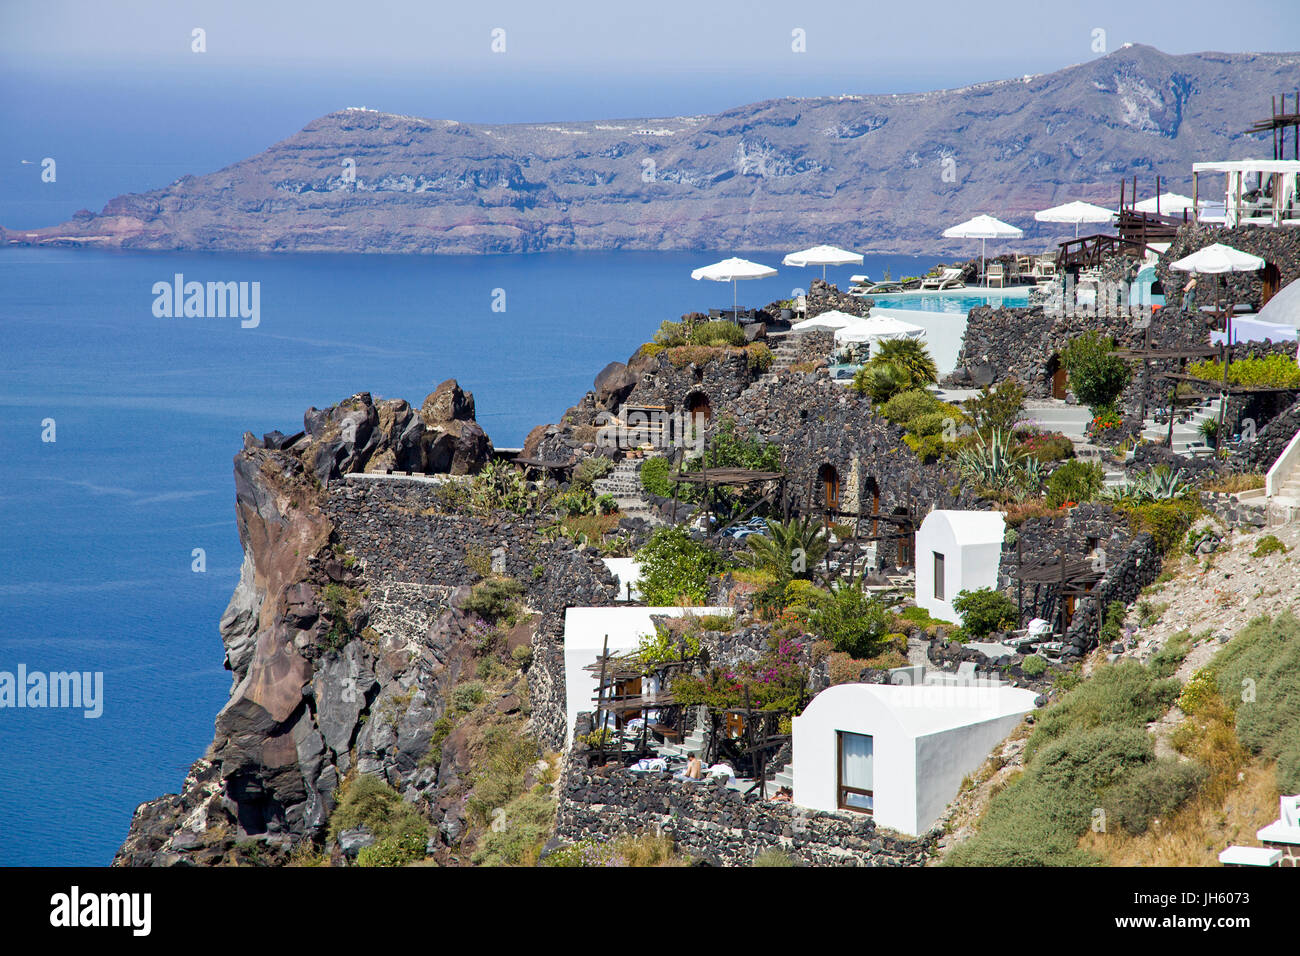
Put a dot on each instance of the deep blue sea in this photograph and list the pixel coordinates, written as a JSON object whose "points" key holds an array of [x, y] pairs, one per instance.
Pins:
{"points": [[98, 527]]}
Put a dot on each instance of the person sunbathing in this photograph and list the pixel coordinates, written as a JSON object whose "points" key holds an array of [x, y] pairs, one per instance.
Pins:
{"points": [[693, 769]]}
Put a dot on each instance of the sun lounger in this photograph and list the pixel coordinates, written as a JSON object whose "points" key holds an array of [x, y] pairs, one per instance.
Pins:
{"points": [[947, 279]]}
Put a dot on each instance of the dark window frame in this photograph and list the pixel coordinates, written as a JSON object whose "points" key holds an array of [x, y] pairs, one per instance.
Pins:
{"points": [[940, 569], [840, 788]]}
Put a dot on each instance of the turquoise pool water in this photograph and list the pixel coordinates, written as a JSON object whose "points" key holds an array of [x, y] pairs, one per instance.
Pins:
{"points": [[957, 301]]}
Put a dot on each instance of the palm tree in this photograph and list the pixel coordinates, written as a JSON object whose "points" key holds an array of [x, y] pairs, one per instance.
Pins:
{"points": [[789, 549], [910, 355]]}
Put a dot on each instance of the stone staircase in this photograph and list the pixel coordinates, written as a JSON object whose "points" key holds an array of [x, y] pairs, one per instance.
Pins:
{"points": [[1187, 433], [624, 483], [1113, 476], [691, 745], [782, 778], [785, 353]]}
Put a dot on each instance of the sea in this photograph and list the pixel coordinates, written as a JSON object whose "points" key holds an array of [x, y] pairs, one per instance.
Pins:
{"points": [[119, 423]]}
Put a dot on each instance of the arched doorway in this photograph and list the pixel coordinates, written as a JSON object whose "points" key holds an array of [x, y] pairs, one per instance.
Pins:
{"points": [[906, 541], [1057, 377], [871, 502], [1270, 281], [698, 407], [829, 479]]}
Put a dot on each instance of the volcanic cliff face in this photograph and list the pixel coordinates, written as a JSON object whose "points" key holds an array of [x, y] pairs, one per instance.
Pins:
{"points": [[880, 173]]}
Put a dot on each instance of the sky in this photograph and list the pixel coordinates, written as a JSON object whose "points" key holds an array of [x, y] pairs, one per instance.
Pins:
{"points": [[114, 90]]}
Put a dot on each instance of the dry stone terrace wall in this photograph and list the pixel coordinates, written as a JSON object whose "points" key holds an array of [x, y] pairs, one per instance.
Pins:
{"points": [[1130, 563], [1277, 247], [722, 379], [817, 422], [403, 550], [721, 826], [1271, 440], [1025, 344]]}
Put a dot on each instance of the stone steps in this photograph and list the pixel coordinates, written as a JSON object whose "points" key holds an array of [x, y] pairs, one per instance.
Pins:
{"points": [[624, 484]]}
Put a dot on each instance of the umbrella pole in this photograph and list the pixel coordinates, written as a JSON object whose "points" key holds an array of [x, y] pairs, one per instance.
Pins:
{"points": [[983, 270]]}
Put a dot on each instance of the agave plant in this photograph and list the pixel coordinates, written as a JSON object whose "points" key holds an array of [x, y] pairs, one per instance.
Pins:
{"points": [[789, 549], [1161, 484], [996, 465]]}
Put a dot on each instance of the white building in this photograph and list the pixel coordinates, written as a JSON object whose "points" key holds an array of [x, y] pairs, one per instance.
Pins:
{"points": [[585, 632], [899, 752], [956, 551]]}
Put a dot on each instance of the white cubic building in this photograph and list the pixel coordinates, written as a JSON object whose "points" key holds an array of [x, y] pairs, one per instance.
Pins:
{"points": [[956, 551], [899, 753]]}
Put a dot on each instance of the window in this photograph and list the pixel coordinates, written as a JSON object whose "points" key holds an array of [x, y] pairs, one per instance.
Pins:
{"points": [[854, 786], [938, 576]]}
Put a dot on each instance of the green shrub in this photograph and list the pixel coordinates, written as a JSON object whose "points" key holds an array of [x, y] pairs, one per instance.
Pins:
{"points": [[984, 611], [1121, 694], [654, 477], [589, 470], [1076, 481], [1273, 371], [467, 696], [397, 850], [1168, 659], [855, 624], [1033, 666], [717, 333], [908, 405], [496, 599], [1166, 521], [1113, 622], [1096, 377], [999, 407], [1152, 790], [1268, 544], [1037, 819], [1259, 675], [676, 567], [524, 827], [367, 801]]}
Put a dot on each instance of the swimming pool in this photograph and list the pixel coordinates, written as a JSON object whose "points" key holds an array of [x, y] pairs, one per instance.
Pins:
{"points": [[957, 301]]}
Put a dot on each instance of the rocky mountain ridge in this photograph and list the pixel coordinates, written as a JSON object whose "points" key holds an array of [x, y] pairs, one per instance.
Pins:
{"points": [[876, 172]]}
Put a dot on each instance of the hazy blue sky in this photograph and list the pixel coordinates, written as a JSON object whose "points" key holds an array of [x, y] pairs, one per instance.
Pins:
{"points": [[112, 89]]}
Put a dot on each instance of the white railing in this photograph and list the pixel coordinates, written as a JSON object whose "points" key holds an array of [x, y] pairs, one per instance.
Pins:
{"points": [[1282, 468]]}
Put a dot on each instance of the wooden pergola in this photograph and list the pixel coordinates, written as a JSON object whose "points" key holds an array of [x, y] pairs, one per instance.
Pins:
{"points": [[610, 671], [1278, 123], [729, 477], [1073, 577]]}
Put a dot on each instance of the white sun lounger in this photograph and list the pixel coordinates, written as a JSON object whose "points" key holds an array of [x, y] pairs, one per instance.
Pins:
{"points": [[948, 279]]}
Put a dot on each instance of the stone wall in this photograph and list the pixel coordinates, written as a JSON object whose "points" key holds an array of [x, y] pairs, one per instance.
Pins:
{"points": [[722, 378], [817, 422], [406, 552], [1129, 564], [1271, 440], [721, 826], [1278, 247]]}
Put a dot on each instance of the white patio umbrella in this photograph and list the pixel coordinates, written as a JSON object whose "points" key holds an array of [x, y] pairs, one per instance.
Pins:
{"points": [[1217, 259], [1076, 212], [822, 256], [878, 328], [832, 319], [983, 228], [1171, 204], [732, 270]]}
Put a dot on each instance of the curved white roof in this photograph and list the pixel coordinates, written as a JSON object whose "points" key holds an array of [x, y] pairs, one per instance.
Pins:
{"points": [[922, 709], [971, 527]]}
